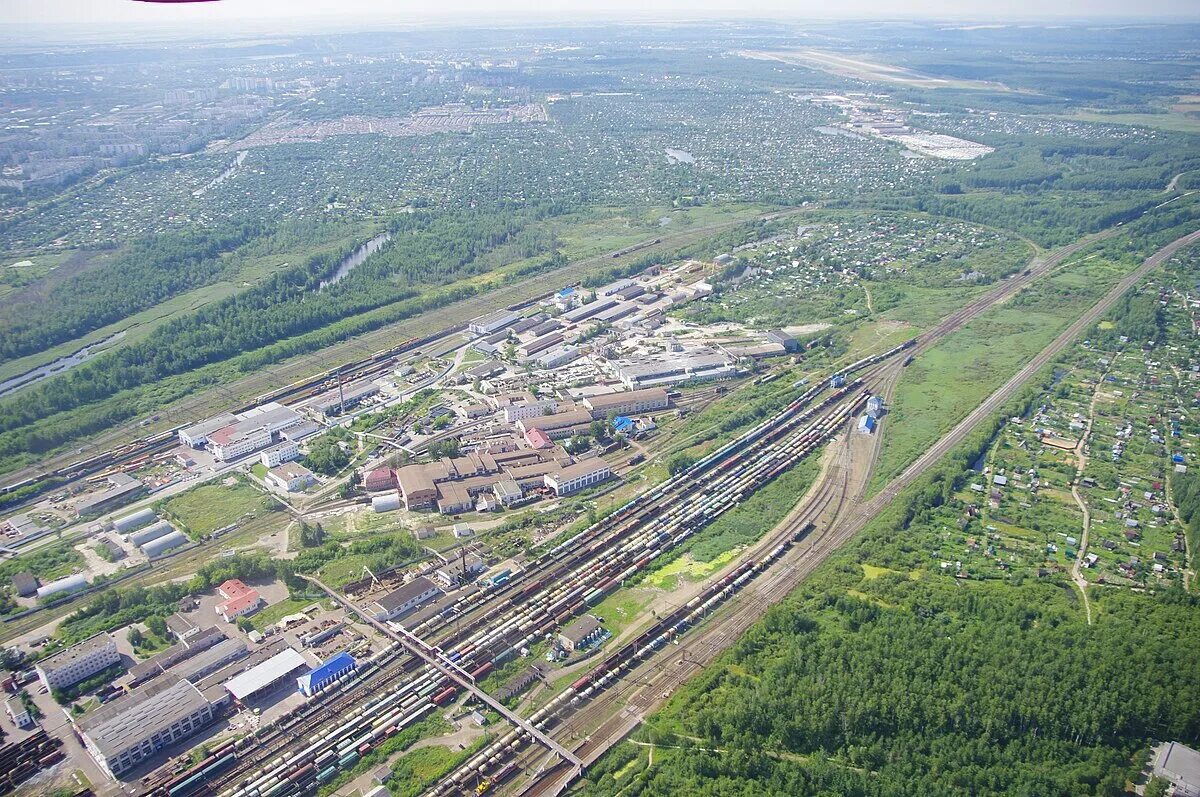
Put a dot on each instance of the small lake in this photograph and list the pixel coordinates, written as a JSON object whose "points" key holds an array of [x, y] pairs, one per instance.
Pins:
{"points": [[679, 156], [356, 259]]}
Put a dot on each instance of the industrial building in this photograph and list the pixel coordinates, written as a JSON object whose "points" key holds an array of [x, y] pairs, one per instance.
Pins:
{"points": [[337, 401], [875, 406], [559, 356], [78, 662], [579, 476], [558, 425], [265, 675], [253, 430], [25, 584], [290, 477], [165, 543], [62, 586], [628, 403], [325, 673], [459, 571], [699, 365], [404, 599], [581, 633], [181, 651], [1180, 765], [132, 522], [491, 322], [787, 341], [379, 479], [123, 489], [866, 424], [196, 435], [143, 536], [130, 729]]}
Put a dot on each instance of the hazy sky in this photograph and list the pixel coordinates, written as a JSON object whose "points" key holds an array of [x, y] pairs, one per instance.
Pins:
{"points": [[293, 13]]}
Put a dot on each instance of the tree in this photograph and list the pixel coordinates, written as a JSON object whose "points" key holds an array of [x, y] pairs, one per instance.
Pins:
{"points": [[244, 624], [351, 486], [444, 448], [157, 626], [598, 429], [11, 658], [135, 637], [680, 462], [311, 536]]}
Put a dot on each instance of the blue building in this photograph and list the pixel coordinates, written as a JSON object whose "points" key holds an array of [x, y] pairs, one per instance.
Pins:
{"points": [[837, 381], [622, 423], [326, 673], [866, 424]]}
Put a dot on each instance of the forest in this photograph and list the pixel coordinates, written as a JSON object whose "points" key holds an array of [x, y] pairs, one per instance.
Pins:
{"points": [[427, 250], [882, 675], [151, 271]]}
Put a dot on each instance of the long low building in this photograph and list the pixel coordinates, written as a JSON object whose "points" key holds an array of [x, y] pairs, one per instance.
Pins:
{"points": [[580, 476], [404, 599], [130, 729], [264, 675], [558, 425], [335, 403], [627, 403]]}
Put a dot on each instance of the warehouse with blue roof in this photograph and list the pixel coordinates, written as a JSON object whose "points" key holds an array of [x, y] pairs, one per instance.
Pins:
{"points": [[326, 673]]}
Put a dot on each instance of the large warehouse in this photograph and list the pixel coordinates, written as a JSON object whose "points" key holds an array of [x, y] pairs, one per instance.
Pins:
{"points": [[122, 733]]}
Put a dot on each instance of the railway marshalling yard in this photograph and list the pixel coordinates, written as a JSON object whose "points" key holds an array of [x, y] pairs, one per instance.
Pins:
{"points": [[718, 419]]}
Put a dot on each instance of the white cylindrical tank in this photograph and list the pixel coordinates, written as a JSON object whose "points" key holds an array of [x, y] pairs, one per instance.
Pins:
{"points": [[159, 529], [161, 545], [140, 518], [386, 502], [70, 583]]}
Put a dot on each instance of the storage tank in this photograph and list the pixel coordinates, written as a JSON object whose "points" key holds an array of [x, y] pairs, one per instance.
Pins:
{"points": [[72, 583], [140, 518], [159, 529], [386, 503], [160, 545]]}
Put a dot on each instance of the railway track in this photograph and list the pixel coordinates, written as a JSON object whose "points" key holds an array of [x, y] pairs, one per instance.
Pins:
{"points": [[620, 712], [575, 580], [553, 606]]}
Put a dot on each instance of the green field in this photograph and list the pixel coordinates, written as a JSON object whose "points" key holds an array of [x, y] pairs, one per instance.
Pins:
{"points": [[204, 509], [943, 385]]}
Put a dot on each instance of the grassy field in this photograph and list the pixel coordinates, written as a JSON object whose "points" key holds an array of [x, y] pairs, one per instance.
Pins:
{"points": [[952, 378], [276, 612], [204, 509], [1173, 121]]}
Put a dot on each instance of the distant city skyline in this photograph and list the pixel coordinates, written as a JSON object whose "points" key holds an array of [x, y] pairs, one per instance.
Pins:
{"points": [[298, 14]]}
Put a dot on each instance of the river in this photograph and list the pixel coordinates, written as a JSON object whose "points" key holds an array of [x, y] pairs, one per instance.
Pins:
{"points": [[60, 365]]}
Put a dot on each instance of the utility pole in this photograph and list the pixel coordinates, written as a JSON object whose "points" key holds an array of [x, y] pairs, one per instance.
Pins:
{"points": [[341, 395]]}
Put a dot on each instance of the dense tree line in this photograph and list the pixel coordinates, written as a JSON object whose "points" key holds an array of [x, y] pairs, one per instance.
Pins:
{"points": [[427, 250], [912, 682], [152, 270]]}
